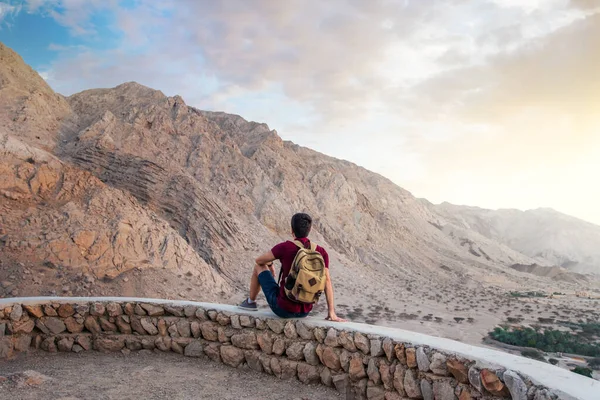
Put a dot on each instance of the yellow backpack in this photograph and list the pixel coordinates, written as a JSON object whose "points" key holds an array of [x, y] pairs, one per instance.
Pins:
{"points": [[306, 281]]}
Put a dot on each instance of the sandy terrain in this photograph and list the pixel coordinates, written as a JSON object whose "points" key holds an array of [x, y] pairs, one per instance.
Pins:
{"points": [[144, 375]]}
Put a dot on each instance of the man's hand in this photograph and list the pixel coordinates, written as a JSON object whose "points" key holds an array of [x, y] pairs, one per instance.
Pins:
{"points": [[333, 317]]}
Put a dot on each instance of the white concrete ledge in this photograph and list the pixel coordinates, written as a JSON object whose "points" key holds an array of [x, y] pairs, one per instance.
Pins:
{"points": [[568, 385]]}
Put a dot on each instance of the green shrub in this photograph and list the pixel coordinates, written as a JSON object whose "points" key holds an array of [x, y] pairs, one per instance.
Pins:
{"points": [[582, 371], [536, 355], [549, 340]]}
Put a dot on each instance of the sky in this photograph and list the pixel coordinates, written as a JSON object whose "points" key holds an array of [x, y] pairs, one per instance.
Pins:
{"points": [[490, 103]]}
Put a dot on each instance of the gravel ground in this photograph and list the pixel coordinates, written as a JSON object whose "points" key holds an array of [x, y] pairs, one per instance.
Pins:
{"points": [[95, 376]]}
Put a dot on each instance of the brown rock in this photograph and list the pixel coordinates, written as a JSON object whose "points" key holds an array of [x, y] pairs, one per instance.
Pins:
{"points": [[493, 384], [54, 325], [399, 379], [136, 325], [176, 347], [122, 324], [50, 311], [412, 386], [310, 353], [152, 309], [163, 343], [375, 393], [376, 348], [22, 326], [16, 313], [387, 376], [330, 359], [195, 329], [361, 342], [359, 389], [326, 378], [49, 345], [194, 349], [22, 343], [109, 344], [304, 332], [133, 344], [209, 331], [290, 330], [356, 370], [438, 364], [65, 310], [114, 309], [308, 373], [65, 344], [247, 322], [265, 341], [319, 334], [6, 347], [97, 309], [162, 327], [400, 354], [373, 371], [347, 341], [295, 351], [76, 348], [289, 369], [213, 351], [458, 370], [388, 348], [223, 319], [232, 356], [443, 390], [392, 396], [342, 384], [149, 326], [183, 327], [176, 311], [129, 309], [84, 341], [252, 358], [265, 361], [411, 357], [331, 339], [138, 310], [107, 326], [73, 326], [345, 357], [465, 395], [245, 340], [276, 325], [34, 310], [279, 346]]}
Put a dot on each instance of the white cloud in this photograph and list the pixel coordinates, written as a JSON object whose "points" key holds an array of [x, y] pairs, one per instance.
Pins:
{"points": [[432, 90], [6, 11]]}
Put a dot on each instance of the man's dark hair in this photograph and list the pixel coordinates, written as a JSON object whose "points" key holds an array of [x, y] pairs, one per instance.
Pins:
{"points": [[301, 224]]}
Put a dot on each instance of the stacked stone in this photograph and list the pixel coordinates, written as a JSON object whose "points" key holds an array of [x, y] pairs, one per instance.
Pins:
{"points": [[361, 366]]}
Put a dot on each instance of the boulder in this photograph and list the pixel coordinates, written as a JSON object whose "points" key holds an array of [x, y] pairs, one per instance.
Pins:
{"points": [[232, 356]]}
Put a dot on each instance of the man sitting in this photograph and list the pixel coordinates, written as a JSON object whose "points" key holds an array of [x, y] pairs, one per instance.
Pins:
{"points": [[264, 275]]}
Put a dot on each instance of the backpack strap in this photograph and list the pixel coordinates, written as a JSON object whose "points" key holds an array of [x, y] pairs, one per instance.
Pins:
{"points": [[313, 246]]}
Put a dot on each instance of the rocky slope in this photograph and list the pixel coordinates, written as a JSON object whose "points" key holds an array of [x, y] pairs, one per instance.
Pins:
{"points": [[550, 237], [128, 191]]}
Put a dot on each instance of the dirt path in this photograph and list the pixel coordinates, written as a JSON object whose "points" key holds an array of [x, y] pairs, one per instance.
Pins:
{"points": [[95, 376]]}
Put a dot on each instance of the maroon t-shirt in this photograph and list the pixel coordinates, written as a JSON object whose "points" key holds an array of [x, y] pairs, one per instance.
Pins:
{"points": [[286, 252]]}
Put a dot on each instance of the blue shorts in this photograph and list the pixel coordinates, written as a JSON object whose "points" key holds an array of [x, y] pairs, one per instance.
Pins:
{"points": [[271, 290]]}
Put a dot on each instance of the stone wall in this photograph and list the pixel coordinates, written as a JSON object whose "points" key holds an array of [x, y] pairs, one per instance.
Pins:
{"points": [[358, 364]]}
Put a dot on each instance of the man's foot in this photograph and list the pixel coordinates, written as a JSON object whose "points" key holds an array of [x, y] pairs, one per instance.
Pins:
{"points": [[246, 305]]}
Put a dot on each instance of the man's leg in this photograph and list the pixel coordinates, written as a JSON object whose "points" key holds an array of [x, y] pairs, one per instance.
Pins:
{"points": [[254, 283], [250, 302]]}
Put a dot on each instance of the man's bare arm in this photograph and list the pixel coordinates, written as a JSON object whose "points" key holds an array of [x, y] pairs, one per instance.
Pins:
{"points": [[266, 260], [330, 302]]}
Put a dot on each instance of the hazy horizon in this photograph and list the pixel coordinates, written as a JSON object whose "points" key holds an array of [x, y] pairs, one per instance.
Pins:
{"points": [[493, 104]]}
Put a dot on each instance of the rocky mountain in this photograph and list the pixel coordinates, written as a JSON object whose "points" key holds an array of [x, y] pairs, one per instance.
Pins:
{"points": [[549, 237], [127, 191]]}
